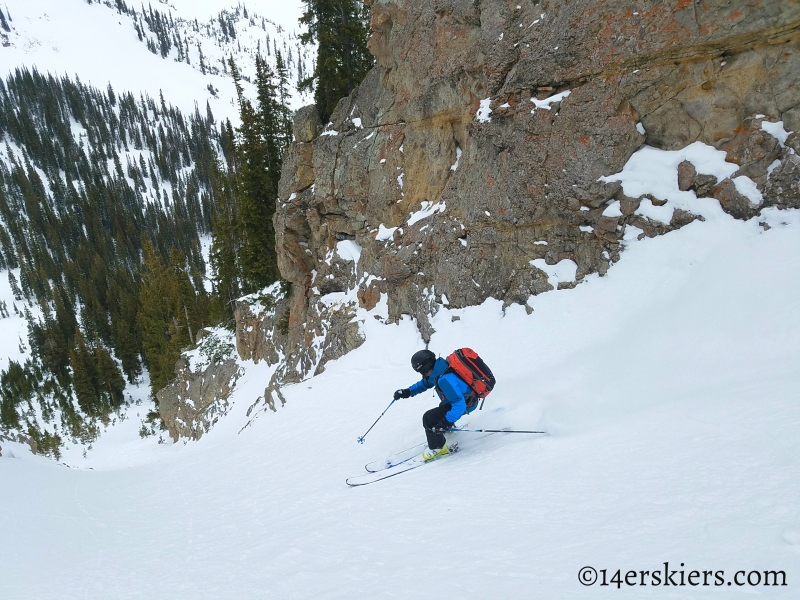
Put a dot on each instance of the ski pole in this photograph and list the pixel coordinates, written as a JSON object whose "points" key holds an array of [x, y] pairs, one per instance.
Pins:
{"points": [[487, 430], [361, 439]]}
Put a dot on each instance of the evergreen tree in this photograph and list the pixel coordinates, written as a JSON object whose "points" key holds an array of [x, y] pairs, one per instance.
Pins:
{"points": [[96, 379], [84, 377], [12, 281], [341, 30], [16, 387], [258, 171], [110, 384], [224, 249], [202, 59], [270, 123], [3, 22], [284, 113], [159, 319], [193, 310]]}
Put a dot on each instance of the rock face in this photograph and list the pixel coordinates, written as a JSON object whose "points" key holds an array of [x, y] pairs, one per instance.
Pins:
{"points": [[475, 145], [194, 402], [20, 438]]}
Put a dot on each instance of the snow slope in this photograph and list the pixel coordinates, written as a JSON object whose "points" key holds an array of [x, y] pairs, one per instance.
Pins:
{"points": [[13, 326], [100, 46], [670, 388], [284, 13]]}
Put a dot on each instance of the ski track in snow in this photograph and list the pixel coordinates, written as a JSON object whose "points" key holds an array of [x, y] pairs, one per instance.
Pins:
{"points": [[670, 389]]}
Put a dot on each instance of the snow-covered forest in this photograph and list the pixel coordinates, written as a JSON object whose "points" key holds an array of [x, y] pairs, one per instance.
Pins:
{"points": [[109, 198]]}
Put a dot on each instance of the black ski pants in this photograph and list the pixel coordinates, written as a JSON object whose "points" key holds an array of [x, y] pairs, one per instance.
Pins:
{"points": [[435, 419]]}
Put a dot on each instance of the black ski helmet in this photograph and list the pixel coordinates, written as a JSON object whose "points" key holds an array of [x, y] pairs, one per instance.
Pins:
{"points": [[422, 361]]}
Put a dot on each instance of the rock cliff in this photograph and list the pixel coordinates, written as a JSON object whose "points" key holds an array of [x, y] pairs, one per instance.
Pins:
{"points": [[469, 164], [476, 146], [204, 379], [195, 400]]}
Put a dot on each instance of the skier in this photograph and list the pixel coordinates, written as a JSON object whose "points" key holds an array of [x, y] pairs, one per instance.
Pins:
{"points": [[457, 399]]}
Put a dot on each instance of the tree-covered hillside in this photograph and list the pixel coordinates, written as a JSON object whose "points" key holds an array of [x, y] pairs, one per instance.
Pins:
{"points": [[107, 199], [207, 45], [90, 182]]}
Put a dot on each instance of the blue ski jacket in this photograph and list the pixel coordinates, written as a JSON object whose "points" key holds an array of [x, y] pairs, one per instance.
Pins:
{"points": [[451, 388]]}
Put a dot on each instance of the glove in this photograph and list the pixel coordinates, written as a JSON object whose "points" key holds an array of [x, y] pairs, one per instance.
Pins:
{"points": [[442, 426], [404, 393]]}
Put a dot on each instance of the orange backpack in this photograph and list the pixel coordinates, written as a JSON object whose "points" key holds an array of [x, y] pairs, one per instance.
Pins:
{"points": [[470, 367]]}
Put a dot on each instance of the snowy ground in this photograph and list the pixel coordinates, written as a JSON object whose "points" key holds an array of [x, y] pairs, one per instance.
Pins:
{"points": [[284, 13], [101, 47], [13, 326], [670, 388]]}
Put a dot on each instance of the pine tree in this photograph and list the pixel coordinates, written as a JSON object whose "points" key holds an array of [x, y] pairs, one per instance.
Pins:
{"points": [[256, 179], [3, 22], [16, 387], [202, 59], [96, 379], [192, 310], [270, 123], [341, 30], [158, 319], [224, 249], [284, 112], [110, 384], [15, 289], [84, 377]]}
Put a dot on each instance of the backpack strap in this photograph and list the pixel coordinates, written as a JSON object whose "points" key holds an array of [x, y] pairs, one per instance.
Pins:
{"points": [[436, 385], [470, 399]]}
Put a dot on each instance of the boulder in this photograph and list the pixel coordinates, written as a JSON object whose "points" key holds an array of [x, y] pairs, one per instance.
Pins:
{"points": [[306, 125]]}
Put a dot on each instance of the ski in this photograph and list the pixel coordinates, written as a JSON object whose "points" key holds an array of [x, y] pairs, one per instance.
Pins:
{"points": [[395, 459], [407, 465], [403, 456]]}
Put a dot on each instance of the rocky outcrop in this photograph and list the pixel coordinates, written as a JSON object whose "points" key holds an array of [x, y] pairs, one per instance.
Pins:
{"points": [[259, 331], [783, 186], [198, 396], [206, 375], [475, 145], [19, 438]]}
